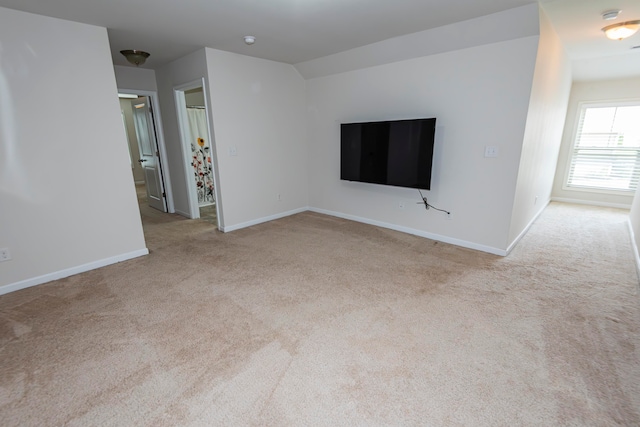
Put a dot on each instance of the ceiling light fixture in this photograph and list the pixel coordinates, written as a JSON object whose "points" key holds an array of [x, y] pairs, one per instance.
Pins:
{"points": [[249, 40], [127, 96], [622, 30], [136, 57]]}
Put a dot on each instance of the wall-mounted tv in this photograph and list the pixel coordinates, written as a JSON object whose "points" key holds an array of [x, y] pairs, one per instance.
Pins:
{"points": [[398, 152]]}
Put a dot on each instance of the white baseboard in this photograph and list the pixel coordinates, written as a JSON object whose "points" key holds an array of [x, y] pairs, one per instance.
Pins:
{"points": [[184, 214], [526, 229], [445, 239], [420, 233], [634, 246], [590, 203], [227, 229], [34, 281]]}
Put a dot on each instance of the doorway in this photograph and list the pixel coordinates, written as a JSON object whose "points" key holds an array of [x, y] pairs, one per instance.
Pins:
{"points": [[199, 151], [146, 149]]}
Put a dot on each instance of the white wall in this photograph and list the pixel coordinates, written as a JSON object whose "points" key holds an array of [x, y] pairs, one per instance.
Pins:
{"points": [[634, 223], [258, 108], [135, 78], [194, 97], [543, 132], [479, 96], [63, 166], [601, 90], [181, 71]]}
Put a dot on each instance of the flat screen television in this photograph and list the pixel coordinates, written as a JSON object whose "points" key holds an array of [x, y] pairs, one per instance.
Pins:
{"points": [[397, 152]]}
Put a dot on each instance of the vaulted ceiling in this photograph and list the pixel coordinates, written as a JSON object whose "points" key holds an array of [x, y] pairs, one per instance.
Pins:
{"points": [[295, 31]]}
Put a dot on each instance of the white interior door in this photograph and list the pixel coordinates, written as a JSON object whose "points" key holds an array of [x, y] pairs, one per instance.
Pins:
{"points": [[149, 158]]}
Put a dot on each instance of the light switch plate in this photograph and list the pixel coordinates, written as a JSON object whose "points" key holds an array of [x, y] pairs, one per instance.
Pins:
{"points": [[491, 151]]}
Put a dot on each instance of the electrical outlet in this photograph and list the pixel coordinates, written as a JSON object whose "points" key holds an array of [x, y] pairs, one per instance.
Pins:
{"points": [[4, 254]]}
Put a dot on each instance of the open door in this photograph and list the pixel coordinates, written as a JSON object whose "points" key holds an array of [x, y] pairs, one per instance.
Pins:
{"points": [[149, 156], [199, 151]]}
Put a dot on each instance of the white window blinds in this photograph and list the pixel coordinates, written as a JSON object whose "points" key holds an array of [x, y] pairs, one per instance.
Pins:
{"points": [[606, 151]]}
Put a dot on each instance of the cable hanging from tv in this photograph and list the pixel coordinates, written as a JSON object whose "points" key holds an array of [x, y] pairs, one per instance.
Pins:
{"points": [[427, 205]]}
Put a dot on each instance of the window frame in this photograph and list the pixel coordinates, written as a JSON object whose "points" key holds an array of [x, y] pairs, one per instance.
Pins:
{"points": [[581, 110]]}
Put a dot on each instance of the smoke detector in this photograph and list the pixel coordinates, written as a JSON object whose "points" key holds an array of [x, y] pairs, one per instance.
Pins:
{"points": [[610, 15]]}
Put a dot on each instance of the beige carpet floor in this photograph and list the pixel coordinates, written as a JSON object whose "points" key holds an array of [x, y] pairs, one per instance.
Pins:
{"points": [[317, 321], [207, 213]]}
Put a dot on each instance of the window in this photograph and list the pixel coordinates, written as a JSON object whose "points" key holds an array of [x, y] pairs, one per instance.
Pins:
{"points": [[606, 150]]}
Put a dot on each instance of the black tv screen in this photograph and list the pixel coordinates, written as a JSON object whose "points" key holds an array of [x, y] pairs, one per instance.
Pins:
{"points": [[398, 152]]}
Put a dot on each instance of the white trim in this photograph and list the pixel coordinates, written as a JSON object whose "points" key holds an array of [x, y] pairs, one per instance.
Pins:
{"points": [[155, 103], [261, 220], [526, 229], [214, 154], [34, 281], [581, 111], [185, 144], [616, 102], [184, 214], [618, 193], [634, 246], [124, 257], [591, 203], [181, 111], [420, 233]]}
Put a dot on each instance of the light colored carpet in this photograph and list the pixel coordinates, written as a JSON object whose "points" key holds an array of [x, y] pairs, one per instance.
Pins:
{"points": [[149, 215], [314, 320]]}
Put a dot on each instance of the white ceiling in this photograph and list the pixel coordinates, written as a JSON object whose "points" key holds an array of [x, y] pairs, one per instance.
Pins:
{"points": [[294, 31], [579, 24]]}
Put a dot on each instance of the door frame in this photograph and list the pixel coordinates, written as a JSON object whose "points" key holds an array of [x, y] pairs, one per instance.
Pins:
{"points": [[183, 126], [149, 153], [162, 150]]}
